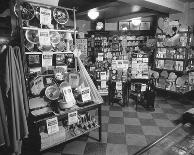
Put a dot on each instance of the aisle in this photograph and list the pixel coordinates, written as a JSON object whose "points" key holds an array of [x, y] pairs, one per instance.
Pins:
{"points": [[125, 130]]}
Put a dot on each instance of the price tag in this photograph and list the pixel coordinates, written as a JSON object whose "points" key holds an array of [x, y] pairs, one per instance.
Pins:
{"points": [[52, 125], [72, 118], [44, 37], [118, 85], [85, 94], [45, 16]]}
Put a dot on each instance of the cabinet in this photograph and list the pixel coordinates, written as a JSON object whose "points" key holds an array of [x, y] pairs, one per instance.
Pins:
{"points": [[171, 62], [46, 42]]}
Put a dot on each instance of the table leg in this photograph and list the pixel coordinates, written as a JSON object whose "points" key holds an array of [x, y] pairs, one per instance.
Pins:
{"points": [[100, 122]]}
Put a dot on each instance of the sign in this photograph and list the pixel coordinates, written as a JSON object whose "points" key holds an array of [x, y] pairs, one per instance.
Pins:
{"points": [[86, 94], [44, 37], [103, 84], [67, 92], [74, 80], [118, 85], [45, 16], [52, 125], [81, 44], [100, 56], [72, 118], [47, 59], [103, 75], [119, 64]]}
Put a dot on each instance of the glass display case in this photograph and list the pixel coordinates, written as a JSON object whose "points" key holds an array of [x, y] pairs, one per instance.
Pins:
{"points": [[179, 141]]}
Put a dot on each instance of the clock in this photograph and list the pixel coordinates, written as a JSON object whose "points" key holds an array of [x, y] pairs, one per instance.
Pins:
{"points": [[99, 25]]}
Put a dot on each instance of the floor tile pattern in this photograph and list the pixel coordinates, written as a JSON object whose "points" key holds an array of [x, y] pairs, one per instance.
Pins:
{"points": [[125, 130]]}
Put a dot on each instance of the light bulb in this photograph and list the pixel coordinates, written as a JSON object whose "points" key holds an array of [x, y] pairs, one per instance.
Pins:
{"points": [[93, 14]]}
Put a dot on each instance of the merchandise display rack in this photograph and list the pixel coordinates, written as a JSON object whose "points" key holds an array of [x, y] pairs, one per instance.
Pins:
{"points": [[174, 59], [40, 134]]}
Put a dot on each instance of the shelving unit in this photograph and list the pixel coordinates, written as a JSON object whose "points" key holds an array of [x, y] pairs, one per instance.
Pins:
{"points": [[41, 135], [173, 57]]}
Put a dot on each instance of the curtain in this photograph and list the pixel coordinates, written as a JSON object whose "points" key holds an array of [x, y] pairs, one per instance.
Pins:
{"points": [[16, 105]]}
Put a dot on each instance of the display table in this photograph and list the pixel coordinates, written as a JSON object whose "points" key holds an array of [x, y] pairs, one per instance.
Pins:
{"points": [[179, 141], [40, 138]]}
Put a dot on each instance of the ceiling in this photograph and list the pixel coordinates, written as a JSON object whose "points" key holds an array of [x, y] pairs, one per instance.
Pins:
{"points": [[110, 9]]}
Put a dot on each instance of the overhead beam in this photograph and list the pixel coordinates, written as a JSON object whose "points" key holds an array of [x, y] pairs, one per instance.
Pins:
{"points": [[166, 6], [128, 17]]}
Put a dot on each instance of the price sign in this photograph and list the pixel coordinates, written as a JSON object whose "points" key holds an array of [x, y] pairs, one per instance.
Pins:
{"points": [[45, 16], [44, 37], [47, 59], [72, 118], [86, 94], [52, 125], [67, 92], [103, 75], [118, 85], [74, 80], [103, 84]]}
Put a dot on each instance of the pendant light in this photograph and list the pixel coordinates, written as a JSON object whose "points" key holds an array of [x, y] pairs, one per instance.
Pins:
{"points": [[93, 14]]}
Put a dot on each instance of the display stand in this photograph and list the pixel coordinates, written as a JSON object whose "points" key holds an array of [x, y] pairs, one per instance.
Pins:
{"points": [[59, 112], [140, 79]]}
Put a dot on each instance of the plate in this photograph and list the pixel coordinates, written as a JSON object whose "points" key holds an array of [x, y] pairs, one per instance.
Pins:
{"points": [[180, 81], [52, 92], [32, 36], [164, 74], [55, 37], [60, 46], [62, 85], [29, 46], [59, 73], [27, 10], [60, 15]]}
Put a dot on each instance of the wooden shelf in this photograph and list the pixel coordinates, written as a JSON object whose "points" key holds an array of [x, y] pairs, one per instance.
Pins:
{"points": [[69, 137], [169, 70], [171, 59], [49, 52], [181, 93]]}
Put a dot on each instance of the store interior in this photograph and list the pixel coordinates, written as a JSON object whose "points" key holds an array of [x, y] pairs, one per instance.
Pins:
{"points": [[86, 77]]}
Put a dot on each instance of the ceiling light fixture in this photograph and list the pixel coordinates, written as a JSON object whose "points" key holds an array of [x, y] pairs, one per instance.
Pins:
{"points": [[93, 14], [136, 21]]}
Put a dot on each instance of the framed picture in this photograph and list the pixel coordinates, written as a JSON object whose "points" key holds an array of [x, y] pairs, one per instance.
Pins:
{"points": [[123, 26], [134, 27], [34, 60], [111, 26], [145, 26]]}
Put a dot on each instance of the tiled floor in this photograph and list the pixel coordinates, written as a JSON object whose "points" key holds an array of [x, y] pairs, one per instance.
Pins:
{"points": [[125, 130]]}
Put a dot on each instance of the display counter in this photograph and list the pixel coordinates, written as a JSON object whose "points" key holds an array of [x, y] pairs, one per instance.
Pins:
{"points": [[178, 141]]}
